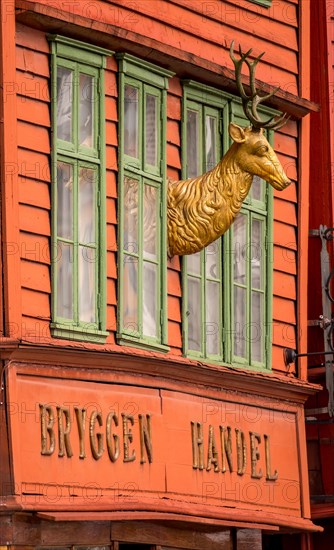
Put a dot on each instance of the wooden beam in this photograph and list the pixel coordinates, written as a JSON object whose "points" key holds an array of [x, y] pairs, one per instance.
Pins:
{"points": [[185, 64], [187, 537], [153, 516], [303, 189]]}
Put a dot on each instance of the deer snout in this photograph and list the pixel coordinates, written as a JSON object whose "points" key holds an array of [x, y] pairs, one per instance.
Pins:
{"points": [[279, 180], [274, 172], [281, 185]]}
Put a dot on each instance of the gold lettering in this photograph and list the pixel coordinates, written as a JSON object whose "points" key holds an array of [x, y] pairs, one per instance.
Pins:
{"points": [[47, 430], [197, 445], [255, 438], [97, 450], [226, 447], [241, 452], [127, 438], [145, 437], [113, 453], [212, 451], [64, 432], [269, 475], [81, 423]]}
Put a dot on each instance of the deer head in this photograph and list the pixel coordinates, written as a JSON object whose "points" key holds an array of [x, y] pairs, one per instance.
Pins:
{"points": [[255, 154], [201, 209]]}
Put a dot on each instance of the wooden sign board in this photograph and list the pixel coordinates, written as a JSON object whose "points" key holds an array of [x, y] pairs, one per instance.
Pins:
{"points": [[87, 442]]}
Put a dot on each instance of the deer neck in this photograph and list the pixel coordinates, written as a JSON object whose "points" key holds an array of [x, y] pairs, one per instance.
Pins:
{"points": [[235, 181]]}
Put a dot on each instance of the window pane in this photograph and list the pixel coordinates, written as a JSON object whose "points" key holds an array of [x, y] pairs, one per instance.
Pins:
{"points": [[86, 212], [86, 110], [194, 263], [131, 215], [240, 248], [257, 188], [194, 314], [65, 200], [256, 253], [64, 103], [150, 300], [212, 331], [151, 130], [131, 121], [257, 326], [130, 293], [64, 263], [192, 144], [212, 264], [150, 222], [240, 328], [86, 290], [210, 142]]}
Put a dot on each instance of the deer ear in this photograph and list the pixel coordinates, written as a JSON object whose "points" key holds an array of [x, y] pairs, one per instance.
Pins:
{"points": [[236, 133]]}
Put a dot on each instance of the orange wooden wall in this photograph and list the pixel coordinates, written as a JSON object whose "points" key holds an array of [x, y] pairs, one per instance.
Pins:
{"points": [[198, 28]]}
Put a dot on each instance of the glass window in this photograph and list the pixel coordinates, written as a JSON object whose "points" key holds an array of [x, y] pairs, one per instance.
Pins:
{"points": [[202, 272], [78, 210], [142, 204], [226, 287]]}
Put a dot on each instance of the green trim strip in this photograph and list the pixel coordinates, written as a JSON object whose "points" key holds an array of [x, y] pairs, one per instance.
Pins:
{"points": [[79, 51], [143, 70], [264, 3], [205, 94], [83, 333]]}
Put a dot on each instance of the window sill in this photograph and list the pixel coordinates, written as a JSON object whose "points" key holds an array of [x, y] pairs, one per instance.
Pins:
{"points": [[126, 340], [221, 362], [80, 333]]}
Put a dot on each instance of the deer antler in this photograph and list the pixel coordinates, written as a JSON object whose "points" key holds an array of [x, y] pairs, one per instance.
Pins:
{"points": [[250, 111]]}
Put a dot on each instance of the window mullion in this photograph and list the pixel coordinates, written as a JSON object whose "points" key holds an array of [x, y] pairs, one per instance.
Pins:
{"points": [[228, 289], [221, 297], [75, 244], [76, 109], [141, 155], [247, 329], [141, 123], [140, 256], [201, 149], [262, 290], [203, 303], [98, 286], [202, 140], [158, 262]]}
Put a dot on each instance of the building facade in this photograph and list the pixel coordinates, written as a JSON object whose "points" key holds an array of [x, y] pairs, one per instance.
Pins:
{"points": [[319, 409], [146, 400]]}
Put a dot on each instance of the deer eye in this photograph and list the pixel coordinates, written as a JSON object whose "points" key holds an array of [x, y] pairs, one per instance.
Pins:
{"points": [[262, 150]]}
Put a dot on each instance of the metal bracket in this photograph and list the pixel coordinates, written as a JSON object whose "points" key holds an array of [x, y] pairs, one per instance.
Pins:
{"points": [[321, 322], [326, 234]]}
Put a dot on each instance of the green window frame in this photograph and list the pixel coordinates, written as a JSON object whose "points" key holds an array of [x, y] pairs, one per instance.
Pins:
{"points": [[142, 266], [219, 322], [78, 218], [264, 3]]}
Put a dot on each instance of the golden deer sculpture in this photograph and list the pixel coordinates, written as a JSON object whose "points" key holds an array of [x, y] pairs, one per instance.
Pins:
{"points": [[201, 209]]}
